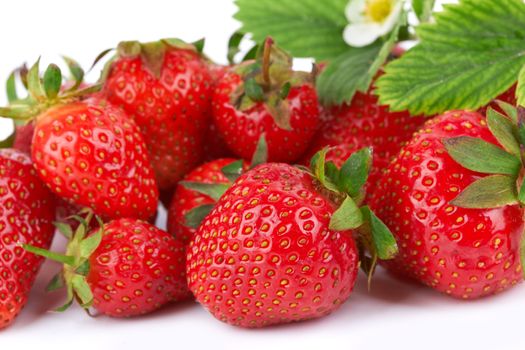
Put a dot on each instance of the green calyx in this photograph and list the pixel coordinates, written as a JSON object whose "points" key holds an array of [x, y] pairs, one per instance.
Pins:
{"points": [[152, 53], [504, 165], [44, 91], [232, 171], [268, 79], [75, 261], [344, 186]]}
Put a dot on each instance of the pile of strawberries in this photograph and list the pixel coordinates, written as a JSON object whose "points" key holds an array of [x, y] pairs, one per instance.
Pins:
{"points": [[255, 239]]}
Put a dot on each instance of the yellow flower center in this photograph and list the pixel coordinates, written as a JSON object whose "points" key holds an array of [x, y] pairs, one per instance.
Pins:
{"points": [[378, 10]]}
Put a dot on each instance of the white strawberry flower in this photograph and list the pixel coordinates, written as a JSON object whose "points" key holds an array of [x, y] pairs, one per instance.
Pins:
{"points": [[370, 19]]}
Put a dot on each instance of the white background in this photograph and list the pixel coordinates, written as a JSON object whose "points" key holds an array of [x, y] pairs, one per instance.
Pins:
{"points": [[393, 315]]}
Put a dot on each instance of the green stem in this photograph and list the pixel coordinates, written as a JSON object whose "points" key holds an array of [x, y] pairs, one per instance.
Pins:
{"points": [[64, 259]]}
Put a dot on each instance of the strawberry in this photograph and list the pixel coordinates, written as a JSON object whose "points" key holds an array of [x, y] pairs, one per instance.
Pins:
{"points": [[466, 246], [26, 216], [126, 268], [266, 96], [165, 87], [183, 220], [278, 246], [364, 123], [24, 137], [87, 150]]}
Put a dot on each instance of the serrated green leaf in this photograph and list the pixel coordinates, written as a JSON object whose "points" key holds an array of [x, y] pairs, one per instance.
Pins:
{"points": [[385, 245], [470, 55], [194, 217], [347, 216], [520, 89], [504, 130], [260, 156], [481, 156], [488, 192], [10, 88], [90, 244], [307, 28], [354, 172], [214, 190], [423, 9], [233, 170], [355, 69]]}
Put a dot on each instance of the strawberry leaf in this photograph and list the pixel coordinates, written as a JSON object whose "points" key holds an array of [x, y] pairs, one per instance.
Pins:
{"points": [[509, 110], [354, 172], [234, 46], [308, 28], [481, 156], [385, 245], [194, 217], [423, 9], [214, 191], [10, 87], [260, 156], [347, 216], [471, 54], [318, 167], [488, 192], [34, 84], [504, 130]]}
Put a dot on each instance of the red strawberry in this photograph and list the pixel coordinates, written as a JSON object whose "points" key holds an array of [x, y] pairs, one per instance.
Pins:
{"points": [[277, 247], [126, 269], [186, 199], [26, 216], [23, 137], [365, 123], [467, 250], [266, 96], [165, 87]]}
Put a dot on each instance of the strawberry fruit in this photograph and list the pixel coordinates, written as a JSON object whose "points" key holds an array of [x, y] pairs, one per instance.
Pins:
{"points": [[27, 211]]}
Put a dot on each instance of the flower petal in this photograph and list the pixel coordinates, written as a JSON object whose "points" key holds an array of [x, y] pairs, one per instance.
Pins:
{"points": [[355, 11], [361, 34], [392, 19]]}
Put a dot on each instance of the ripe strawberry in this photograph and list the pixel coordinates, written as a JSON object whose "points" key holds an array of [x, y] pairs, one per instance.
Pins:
{"points": [[126, 269], [266, 96], [26, 216], [365, 123], [466, 246], [187, 200], [88, 151], [278, 245], [165, 87]]}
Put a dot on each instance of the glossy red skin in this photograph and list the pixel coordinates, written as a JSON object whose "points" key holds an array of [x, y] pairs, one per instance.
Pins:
{"points": [[136, 269], [466, 253], [27, 210], [365, 123], [241, 130], [265, 254], [91, 153], [186, 200], [172, 111]]}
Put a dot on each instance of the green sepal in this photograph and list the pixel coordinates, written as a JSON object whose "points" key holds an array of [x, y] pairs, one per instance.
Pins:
{"points": [[318, 168], [66, 306], [82, 290], [84, 268], [194, 217], [234, 46], [521, 124], [199, 45], [52, 81], [478, 155], [56, 283], [253, 90], [88, 245], [61, 258], [214, 191], [260, 156], [347, 216], [233, 170], [354, 172], [509, 110], [520, 87], [34, 84], [64, 229], [488, 192], [385, 245], [504, 131], [279, 110], [76, 71], [285, 90], [10, 87], [521, 192], [251, 54]]}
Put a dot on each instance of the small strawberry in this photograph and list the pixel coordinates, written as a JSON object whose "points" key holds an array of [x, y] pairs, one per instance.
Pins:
{"points": [[189, 205], [165, 87], [267, 96], [451, 200], [126, 268], [27, 211], [278, 245], [365, 123], [87, 150]]}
